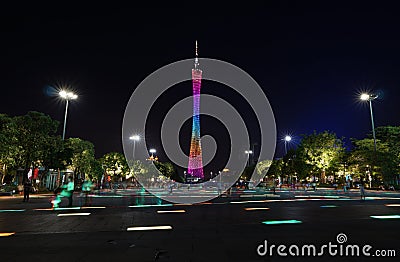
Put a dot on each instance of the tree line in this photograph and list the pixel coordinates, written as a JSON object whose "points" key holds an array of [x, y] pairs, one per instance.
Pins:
{"points": [[31, 140], [324, 156]]}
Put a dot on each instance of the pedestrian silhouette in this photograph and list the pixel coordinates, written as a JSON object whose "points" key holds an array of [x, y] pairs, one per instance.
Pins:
{"points": [[86, 189], [362, 192], [27, 189], [70, 191]]}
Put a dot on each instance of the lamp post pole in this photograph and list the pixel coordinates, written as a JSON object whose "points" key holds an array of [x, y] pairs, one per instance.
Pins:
{"points": [[65, 118], [134, 138], [369, 98], [285, 148], [248, 152], [287, 139], [372, 123], [67, 96]]}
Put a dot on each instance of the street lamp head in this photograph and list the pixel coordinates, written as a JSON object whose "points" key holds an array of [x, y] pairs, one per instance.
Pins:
{"points": [[63, 94], [152, 150], [367, 97], [135, 137], [364, 97], [288, 138], [248, 152], [67, 95]]}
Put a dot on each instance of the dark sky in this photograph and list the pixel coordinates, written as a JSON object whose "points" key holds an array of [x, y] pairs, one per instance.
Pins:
{"points": [[311, 60]]}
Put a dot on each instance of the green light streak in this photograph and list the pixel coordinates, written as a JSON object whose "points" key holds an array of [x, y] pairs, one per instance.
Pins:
{"points": [[66, 208], [278, 222]]}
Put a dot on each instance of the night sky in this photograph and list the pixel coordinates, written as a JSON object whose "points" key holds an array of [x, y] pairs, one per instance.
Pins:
{"points": [[312, 60]]}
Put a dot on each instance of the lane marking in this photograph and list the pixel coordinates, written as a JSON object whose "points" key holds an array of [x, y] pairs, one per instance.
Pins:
{"points": [[386, 217], [4, 234], [145, 228], [256, 208], [171, 211], [73, 214]]}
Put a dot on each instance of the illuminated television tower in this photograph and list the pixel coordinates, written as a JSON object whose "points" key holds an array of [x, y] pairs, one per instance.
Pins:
{"points": [[195, 167]]}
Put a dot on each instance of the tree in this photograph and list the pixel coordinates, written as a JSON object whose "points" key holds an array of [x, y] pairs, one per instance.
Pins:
{"points": [[167, 169], [276, 168], [96, 170], [7, 150], [320, 152], [82, 156], [247, 172], [115, 165], [262, 167], [391, 136], [57, 155], [33, 132], [382, 165]]}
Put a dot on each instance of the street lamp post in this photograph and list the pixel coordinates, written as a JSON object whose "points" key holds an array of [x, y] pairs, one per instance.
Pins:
{"points": [[248, 152], [67, 96], [153, 151], [134, 138], [287, 139], [369, 98]]}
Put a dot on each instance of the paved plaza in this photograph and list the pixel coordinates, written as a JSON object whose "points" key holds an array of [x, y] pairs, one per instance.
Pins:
{"points": [[229, 228]]}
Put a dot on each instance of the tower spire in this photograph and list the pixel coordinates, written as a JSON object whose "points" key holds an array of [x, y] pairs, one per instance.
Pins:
{"points": [[196, 60]]}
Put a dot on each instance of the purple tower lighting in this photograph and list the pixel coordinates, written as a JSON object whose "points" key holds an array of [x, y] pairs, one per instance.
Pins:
{"points": [[195, 167]]}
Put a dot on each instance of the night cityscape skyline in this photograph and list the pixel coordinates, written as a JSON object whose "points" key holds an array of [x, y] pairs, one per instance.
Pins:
{"points": [[110, 151], [311, 60]]}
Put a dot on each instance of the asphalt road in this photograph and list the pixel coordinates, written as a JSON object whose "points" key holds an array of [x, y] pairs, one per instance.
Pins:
{"points": [[224, 229]]}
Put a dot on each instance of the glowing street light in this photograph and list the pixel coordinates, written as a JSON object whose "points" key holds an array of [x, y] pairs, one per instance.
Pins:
{"points": [[369, 98], [287, 139], [66, 96], [248, 152], [134, 138], [152, 151], [152, 158]]}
